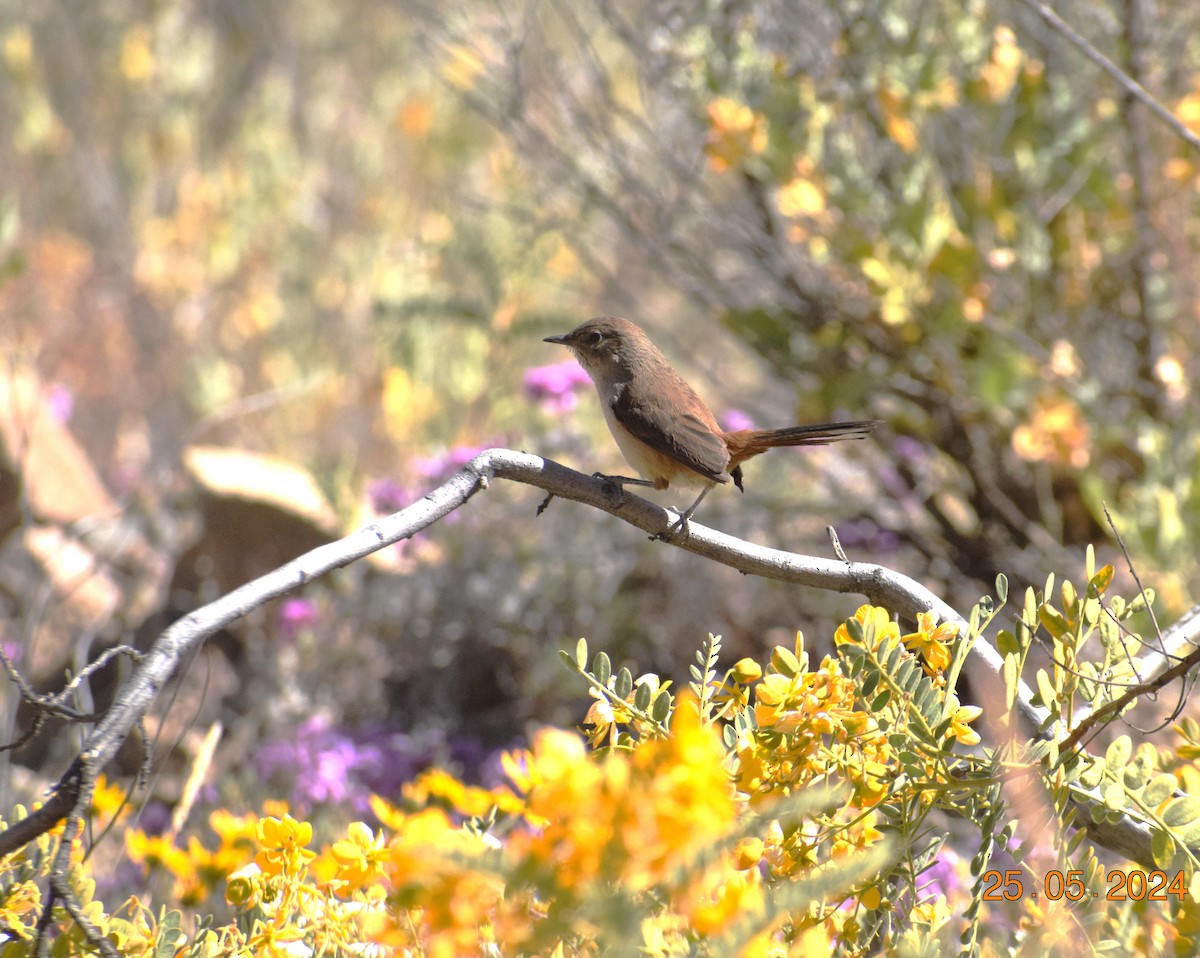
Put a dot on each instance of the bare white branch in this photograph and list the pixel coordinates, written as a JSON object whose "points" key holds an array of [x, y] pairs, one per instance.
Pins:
{"points": [[882, 586]]}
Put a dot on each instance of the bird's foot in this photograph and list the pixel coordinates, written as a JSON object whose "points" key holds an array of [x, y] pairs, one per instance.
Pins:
{"points": [[679, 525]]}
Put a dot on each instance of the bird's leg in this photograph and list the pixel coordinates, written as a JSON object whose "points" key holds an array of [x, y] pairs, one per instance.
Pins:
{"points": [[681, 524], [617, 484], [622, 480]]}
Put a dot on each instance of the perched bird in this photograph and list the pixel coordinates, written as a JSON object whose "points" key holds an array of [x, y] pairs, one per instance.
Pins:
{"points": [[664, 430]]}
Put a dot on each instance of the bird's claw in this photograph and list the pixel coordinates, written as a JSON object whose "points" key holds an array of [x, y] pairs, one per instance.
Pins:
{"points": [[679, 525]]}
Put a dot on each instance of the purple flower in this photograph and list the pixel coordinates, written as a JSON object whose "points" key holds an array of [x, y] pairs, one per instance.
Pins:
{"points": [[325, 764], [944, 877], [734, 419], [909, 448], [296, 614], [388, 496], [556, 386]]}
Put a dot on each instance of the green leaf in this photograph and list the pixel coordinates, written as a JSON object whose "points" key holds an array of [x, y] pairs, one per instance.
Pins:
{"points": [[1046, 690], [581, 654], [1006, 643], [912, 761], [1053, 620], [1114, 796], [1029, 614], [1190, 835], [662, 709], [784, 662], [602, 668], [1181, 811], [1139, 602], [1160, 789], [1137, 773], [641, 698], [168, 942], [1118, 752], [1087, 687], [1090, 777], [1162, 847], [927, 702], [624, 683], [1011, 679], [1002, 588]]}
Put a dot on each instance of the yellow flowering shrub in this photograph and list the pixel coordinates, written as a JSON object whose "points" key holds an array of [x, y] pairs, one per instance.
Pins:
{"points": [[774, 810]]}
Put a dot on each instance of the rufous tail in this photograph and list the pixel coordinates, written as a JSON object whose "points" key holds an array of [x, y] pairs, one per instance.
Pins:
{"points": [[746, 443]]}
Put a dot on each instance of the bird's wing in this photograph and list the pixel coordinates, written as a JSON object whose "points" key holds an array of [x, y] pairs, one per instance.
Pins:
{"points": [[685, 437]]}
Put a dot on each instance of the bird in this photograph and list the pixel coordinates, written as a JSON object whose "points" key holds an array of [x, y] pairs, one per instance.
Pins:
{"points": [[665, 431]]}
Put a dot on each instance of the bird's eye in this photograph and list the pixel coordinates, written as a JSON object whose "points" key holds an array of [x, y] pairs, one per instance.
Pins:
{"points": [[595, 338]]}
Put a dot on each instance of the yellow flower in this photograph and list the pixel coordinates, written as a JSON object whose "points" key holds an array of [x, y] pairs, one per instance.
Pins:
{"points": [[603, 720], [158, 851], [721, 900], [691, 796], [932, 913], [107, 799], [749, 853], [282, 845], [746, 671], [999, 74], [735, 132], [800, 197], [932, 641], [419, 852], [233, 830], [877, 624], [1056, 432], [21, 901], [278, 941], [962, 716], [468, 799], [360, 856]]}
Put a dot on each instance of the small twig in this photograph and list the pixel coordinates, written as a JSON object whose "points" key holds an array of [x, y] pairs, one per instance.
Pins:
{"points": [[1184, 633], [1118, 704], [836, 543], [1123, 80], [1132, 571], [54, 705]]}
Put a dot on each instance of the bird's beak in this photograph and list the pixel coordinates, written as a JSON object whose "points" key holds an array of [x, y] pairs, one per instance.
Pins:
{"points": [[562, 340]]}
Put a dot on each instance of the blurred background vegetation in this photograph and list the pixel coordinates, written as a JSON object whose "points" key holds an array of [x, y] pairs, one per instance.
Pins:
{"points": [[268, 270]]}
